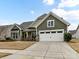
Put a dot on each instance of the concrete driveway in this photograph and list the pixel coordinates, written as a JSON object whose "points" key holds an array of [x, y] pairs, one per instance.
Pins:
{"points": [[46, 50]]}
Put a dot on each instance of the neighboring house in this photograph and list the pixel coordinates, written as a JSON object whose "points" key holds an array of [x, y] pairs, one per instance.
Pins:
{"points": [[76, 33], [47, 27], [72, 32], [12, 31]]}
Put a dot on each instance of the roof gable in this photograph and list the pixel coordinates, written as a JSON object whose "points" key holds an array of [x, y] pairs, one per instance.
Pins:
{"points": [[59, 18], [15, 26], [38, 22]]}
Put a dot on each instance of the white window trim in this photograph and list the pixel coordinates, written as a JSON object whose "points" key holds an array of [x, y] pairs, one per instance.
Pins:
{"points": [[53, 23]]}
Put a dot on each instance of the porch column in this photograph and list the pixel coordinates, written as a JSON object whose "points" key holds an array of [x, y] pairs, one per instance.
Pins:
{"points": [[20, 36], [36, 31], [36, 35], [27, 34]]}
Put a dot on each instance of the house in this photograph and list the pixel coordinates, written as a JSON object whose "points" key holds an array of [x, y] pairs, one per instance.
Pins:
{"points": [[76, 33], [47, 27], [72, 32]]}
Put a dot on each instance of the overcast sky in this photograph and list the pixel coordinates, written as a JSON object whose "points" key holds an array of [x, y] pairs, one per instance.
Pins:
{"points": [[18, 11]]}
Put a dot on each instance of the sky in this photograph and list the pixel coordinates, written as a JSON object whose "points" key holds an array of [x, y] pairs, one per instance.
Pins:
{"points": [[18, 11]]}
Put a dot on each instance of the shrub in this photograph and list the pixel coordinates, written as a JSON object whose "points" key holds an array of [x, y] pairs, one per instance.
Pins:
{"points": [[67, 37], [9, 39]]}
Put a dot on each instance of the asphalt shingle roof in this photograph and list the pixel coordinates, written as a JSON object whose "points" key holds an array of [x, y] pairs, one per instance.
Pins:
{"points": [[24, 26], [72, 32], [37, 20]]}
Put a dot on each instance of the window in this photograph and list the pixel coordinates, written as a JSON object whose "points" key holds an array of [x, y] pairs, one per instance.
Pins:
{"points": [[41, 32], [47, 32], [24, 35], [50, 23], [53, 32], [59, 32], [14, 35]]}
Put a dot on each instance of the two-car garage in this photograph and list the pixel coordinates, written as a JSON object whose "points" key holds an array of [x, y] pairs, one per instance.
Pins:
{"points": [[51, 35]]}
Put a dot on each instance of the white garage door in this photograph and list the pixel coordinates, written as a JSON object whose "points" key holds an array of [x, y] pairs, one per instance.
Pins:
{"points": [[51, 35]]}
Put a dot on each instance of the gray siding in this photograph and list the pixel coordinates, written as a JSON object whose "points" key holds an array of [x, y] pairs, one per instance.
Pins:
{"points": [[58, 24]]}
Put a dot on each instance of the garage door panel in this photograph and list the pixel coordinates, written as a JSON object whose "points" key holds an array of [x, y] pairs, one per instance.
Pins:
{"points": [[44, 37], [60, 36], [53, 37]]}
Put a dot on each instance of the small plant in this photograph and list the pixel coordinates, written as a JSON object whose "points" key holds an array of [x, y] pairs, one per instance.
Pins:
{"points": [[67, 37]]}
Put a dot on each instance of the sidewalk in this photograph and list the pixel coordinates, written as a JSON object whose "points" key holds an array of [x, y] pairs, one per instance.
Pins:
{"points": [[9, 51]]}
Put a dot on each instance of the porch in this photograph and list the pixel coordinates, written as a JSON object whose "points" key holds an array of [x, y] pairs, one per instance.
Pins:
{"points": [[29, 36]]}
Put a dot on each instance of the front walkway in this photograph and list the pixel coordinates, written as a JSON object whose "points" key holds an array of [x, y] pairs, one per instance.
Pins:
{"points": [[46, 50]]}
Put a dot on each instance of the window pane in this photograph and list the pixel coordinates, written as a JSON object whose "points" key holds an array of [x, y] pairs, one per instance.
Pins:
{"points": [[16, 35], [51, 23]]}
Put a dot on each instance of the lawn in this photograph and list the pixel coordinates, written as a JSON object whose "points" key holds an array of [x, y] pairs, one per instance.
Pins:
{"points": [[4, 54], [74, 43], [16, 45]]}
